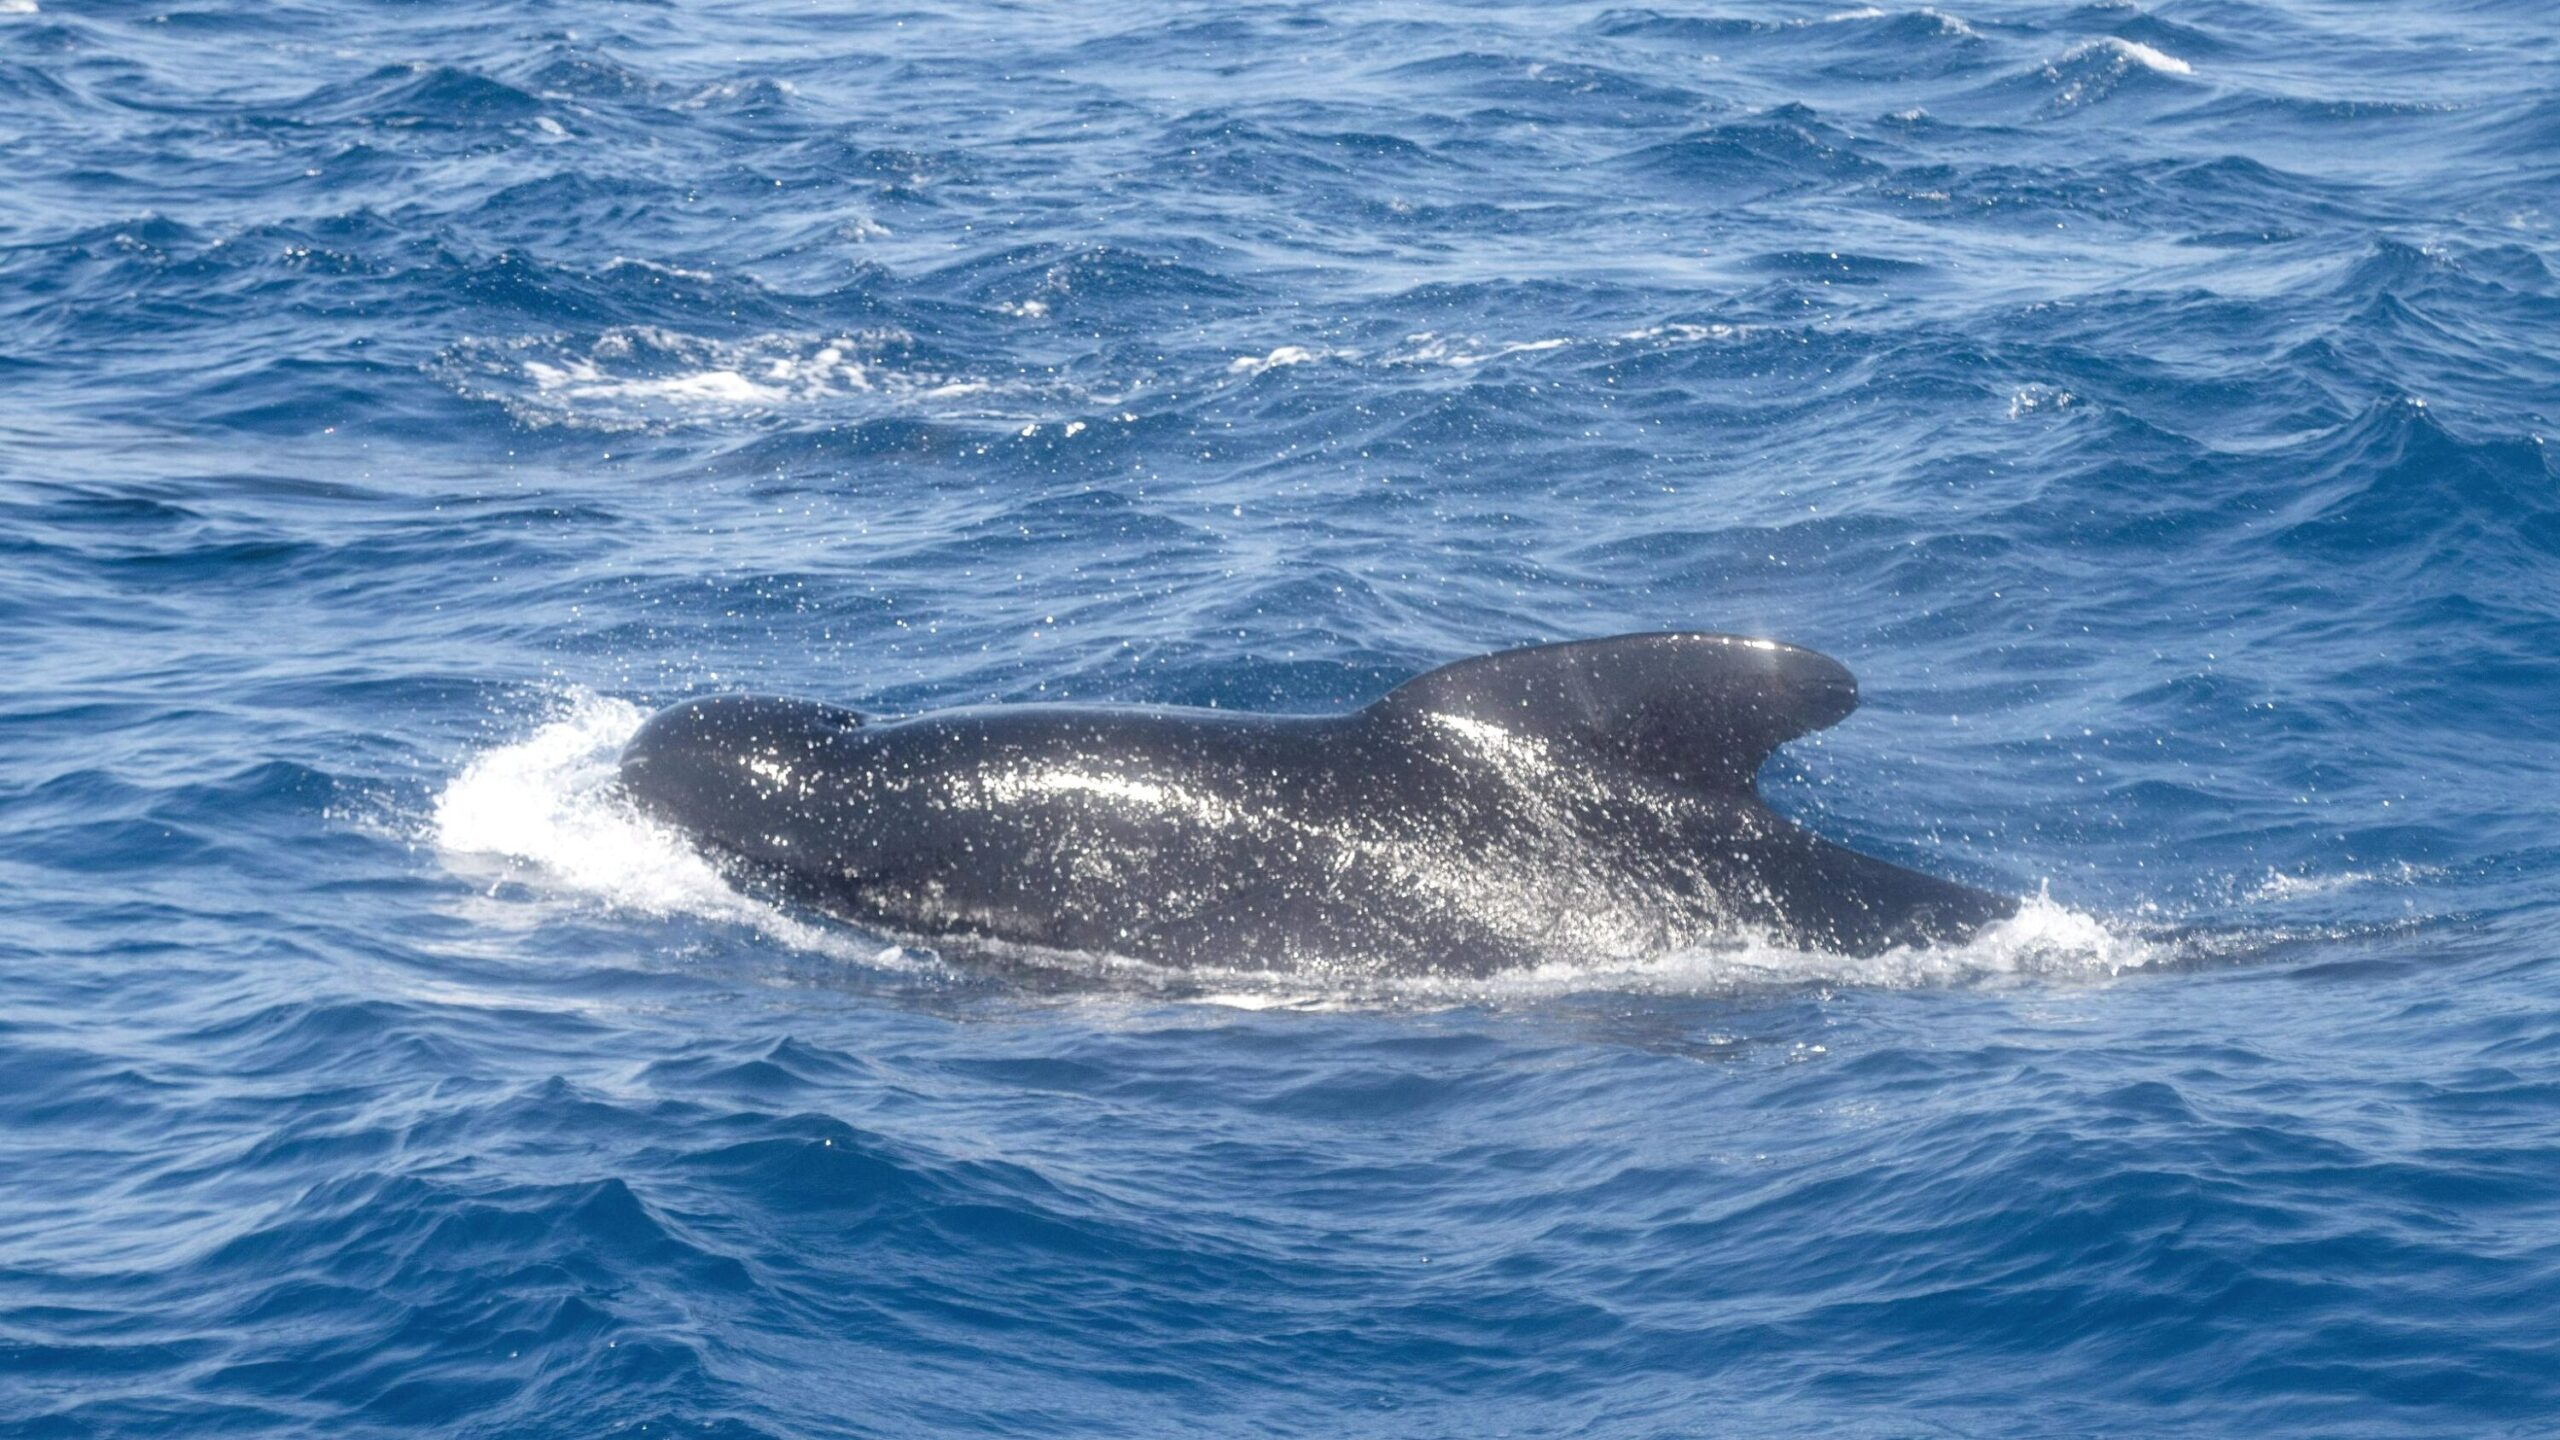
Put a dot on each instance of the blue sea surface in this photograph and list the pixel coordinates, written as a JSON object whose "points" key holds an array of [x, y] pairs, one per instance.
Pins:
{"points": [[2152, 403]]}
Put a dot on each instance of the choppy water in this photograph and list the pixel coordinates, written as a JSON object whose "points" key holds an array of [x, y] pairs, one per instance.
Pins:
{"points": [[2153, 406]]}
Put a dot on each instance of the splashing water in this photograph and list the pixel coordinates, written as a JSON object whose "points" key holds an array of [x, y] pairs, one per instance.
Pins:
{"points": [[549, 803]]}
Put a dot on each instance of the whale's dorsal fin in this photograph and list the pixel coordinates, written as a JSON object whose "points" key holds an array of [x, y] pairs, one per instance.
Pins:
{"points": [[1697, 708]]}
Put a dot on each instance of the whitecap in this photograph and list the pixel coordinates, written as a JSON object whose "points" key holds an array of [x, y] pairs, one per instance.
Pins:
{"points": [[1464, 352], [646, 377], [1284, 355], [2132, 51], [2028, 399], [2278, 886]]}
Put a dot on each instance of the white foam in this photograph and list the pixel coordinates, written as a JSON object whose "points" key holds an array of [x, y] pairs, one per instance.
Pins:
{"points": [[2133, 51], [17, 7], [1284, 355], [544, 805], [2092, 70], [1947, 24], [728, 91], [644, 377], [583, 385], [2028, 399], [2278, 886], [1680, 333], [655, 267], [2044, 941], [1464, 352]]}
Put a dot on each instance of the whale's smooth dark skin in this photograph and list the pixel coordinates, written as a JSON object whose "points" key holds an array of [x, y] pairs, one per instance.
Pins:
{"points": [[1593, 799]]}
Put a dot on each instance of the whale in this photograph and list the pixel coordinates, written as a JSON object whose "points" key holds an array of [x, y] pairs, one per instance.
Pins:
{"points": [[1574, 802]]}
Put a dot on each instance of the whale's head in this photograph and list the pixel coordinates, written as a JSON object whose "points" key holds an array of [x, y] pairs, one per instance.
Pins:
{"points": [[741, 773]]}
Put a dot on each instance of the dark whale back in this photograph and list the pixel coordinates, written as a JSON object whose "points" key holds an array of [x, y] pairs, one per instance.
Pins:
{"points": [[1697, 709], [1553, 802]]}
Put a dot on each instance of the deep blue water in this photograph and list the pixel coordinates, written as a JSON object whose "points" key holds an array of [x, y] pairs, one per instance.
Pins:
{"points": [[2153, 405]]}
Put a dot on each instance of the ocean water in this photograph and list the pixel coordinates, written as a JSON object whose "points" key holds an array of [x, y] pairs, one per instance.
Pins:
{"points": [[2152, 403]]}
